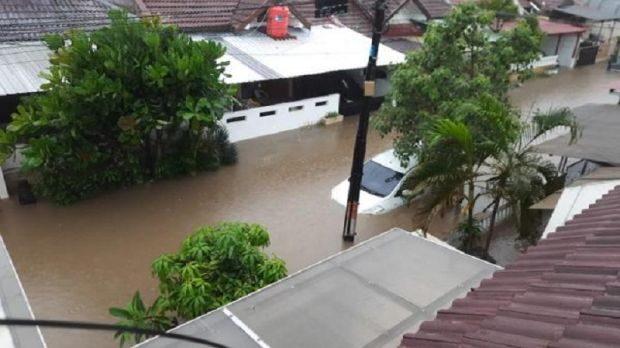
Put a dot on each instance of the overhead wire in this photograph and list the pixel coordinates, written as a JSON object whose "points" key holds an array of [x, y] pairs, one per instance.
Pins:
{"points": [[80, 325]]}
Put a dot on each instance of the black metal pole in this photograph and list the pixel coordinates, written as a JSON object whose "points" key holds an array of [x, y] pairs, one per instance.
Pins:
{"points": [[357, 167]]}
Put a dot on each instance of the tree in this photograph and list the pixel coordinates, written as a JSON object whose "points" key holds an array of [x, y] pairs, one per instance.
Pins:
{"points": [[504, 10], [125, 104], [215, 265], [452, 156], [458, 64], [449, 106], [519, 176]]}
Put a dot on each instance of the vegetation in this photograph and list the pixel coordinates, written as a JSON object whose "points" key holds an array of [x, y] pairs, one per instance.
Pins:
{"points": [[215, 265], [125, 104], [519, 176], [449, 105]]}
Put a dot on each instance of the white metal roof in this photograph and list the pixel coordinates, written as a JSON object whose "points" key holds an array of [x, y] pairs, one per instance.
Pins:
{"points": [[319, 50], [252, 56], [20, 65]]}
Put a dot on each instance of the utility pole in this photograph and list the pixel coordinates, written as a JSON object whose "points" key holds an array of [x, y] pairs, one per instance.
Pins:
{"points": [[357, 167]]}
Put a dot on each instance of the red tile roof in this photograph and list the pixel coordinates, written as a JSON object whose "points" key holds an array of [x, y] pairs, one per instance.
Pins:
{"points": [[563, 292], [197, 15], [22, 20]]}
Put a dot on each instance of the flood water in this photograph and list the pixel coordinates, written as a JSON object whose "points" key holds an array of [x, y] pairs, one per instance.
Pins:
{"points": [[77, 261]]}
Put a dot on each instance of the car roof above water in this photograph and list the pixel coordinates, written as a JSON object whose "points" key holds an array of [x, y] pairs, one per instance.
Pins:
{"points": [[390, 160]]}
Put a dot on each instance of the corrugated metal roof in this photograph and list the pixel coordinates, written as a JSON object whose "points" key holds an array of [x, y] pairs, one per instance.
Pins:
{"points": [[22, 20], [252, 56], [589, 13], [366, 296], [20, 66], [323, 49], [563, 292]]}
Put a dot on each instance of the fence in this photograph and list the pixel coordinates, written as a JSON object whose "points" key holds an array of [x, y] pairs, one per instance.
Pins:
{"points": [[265, 120], [504, 212]]}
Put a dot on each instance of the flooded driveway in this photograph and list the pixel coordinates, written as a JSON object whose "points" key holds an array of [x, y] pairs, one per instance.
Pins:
{"points": [[77, 261]]}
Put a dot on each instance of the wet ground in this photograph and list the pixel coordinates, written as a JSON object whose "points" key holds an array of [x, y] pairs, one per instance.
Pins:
{"points": [[77, 261]]}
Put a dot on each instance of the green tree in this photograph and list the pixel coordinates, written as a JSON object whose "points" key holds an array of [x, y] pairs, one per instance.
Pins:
{"points": [[504, 10], [214, 266], [519, 176], [127, 103], [449, 106], [458, 64]]}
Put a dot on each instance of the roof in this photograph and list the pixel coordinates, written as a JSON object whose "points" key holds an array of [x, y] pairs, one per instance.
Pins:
{"points": [[20, 66], [14, 304], [323, 49], [551, 28], [22, 20], [433, 9], [575, 199], [366, 296], [588, 13], [253, 56], [401, 44], [563, 292], [599, 140], [196, 15]]}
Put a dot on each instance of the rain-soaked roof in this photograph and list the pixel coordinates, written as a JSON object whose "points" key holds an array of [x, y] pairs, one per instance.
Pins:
{"points": [[366, 296], [599, 140]]}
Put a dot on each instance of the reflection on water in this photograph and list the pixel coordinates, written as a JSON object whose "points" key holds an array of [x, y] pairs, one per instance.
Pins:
{"points": [[77, 261]]}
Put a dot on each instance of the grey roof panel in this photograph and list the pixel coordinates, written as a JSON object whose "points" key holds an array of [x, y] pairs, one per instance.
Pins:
{"points": [[599, 141], [216, 327], [366, 296]]}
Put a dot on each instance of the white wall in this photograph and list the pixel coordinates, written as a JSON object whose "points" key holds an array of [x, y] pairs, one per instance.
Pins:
{"points": [[549, 44], [265, 120]]}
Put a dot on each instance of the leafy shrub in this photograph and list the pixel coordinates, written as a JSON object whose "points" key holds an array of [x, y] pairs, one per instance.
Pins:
{"points": [[125, 104], [214, 266]]}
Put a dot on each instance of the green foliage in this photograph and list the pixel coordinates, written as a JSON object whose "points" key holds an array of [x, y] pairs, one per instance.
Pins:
{"points": [[136, 314], [519, 176], [214, 266], [449, 106], [125, 104]]}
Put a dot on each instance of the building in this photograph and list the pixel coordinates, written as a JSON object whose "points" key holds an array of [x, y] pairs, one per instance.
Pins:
{"points": [[366, 296], [563, 292]]}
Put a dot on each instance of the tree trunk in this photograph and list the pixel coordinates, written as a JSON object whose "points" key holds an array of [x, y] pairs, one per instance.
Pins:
{"points": [[491, 226]]}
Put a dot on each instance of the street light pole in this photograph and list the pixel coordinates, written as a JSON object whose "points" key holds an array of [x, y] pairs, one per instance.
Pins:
{"points": [[357, 167]]}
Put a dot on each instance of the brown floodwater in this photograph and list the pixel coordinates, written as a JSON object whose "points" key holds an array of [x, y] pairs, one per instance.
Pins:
{"points": [[77, 261]]}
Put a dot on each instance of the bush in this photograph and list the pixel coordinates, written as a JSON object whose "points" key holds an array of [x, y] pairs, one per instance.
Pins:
{"points": [[128, 103], [215, 265]]}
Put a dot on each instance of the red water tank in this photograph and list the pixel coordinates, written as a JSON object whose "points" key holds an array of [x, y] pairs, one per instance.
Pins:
{"points": [[277, 22]]}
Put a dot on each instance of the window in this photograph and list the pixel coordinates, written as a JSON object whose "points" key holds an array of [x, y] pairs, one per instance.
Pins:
{"points": [[321, 103], [296, 108], [267, 113], [379, 180], [235, 119]]}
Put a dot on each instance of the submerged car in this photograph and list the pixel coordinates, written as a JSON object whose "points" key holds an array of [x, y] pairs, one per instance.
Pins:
{"points": [[381, 189]]}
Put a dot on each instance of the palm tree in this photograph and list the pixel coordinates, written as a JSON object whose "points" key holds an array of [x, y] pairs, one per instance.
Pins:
{"points": [[519, 175]]}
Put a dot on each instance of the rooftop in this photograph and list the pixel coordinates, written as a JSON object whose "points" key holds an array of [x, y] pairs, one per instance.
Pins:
{"points": [[24, 20], [563, 292], [366, 296], [599, 140]]}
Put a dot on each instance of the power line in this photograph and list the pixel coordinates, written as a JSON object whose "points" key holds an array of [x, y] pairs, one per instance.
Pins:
{"points": [[80, 325]]}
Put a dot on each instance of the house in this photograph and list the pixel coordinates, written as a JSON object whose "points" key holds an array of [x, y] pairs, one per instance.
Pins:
{"points": [[561, 42], [563, 292], [284, 84], [365, 296], [599, 18]]}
